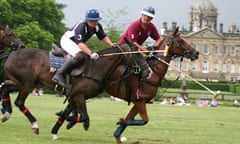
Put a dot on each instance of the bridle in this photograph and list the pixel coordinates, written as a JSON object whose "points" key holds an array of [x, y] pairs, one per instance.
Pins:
{"points": [[7, 36], [172, 41]]}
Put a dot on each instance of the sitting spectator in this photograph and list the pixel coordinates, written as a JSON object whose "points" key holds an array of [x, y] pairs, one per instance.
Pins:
{"points": [[172, 101], [202, 103], [165, 101], [40, 91], [214, 102]]}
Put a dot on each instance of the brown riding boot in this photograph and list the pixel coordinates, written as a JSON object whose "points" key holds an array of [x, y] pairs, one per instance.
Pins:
{"points": [[135, 88]]}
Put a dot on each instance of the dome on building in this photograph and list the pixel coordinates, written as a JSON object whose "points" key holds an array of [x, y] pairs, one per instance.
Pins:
{"points": [[203, 5]]}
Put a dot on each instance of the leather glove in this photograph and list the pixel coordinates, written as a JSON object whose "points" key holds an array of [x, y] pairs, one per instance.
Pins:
{"points": [[94, 55], [150, 55]]}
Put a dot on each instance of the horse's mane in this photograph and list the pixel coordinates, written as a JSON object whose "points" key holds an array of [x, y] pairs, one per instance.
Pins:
{"points": [[162, 41]]}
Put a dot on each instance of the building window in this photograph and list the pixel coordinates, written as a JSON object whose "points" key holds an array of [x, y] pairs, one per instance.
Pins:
{"points": [[233, 51], [215, 67], [205, 67], [224, 50], [239, 68], [232, 70], [216, 50], [224, 68], [194, 46], [185, 66], [194, 66], [205, 49], [177, 65]]}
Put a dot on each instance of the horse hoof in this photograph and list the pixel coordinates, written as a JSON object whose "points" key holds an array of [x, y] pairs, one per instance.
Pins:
{"points": [[5, 117], [55, 137], [86, 125], [35, 130], [118, 140]]}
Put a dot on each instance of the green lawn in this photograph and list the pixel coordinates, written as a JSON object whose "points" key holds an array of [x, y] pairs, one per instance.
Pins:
{"points": [[168, 124]]}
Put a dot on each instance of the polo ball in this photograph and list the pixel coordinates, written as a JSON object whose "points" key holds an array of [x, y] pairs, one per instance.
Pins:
{"points": [[123, 139]]}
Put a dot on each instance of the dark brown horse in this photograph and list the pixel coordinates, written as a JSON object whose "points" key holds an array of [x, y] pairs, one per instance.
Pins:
{"points": [[8, 39], [29, 67], [177, 47]]}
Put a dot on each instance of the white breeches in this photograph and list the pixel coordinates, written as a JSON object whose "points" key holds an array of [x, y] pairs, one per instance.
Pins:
{"points": [[69, 46]]}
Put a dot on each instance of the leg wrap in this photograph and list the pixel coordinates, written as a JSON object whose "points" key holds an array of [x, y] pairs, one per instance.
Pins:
{"points": [[135, 122], [57, 125], [119, 130]]}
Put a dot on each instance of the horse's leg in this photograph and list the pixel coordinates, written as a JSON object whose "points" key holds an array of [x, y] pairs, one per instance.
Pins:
{"points": [[60, 121], [19, 102], [73, 119], [80, 103], [6, 107], [139, 107], [5, 89]]}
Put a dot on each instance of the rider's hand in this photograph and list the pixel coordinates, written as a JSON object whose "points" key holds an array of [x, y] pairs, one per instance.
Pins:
{"points": [[114, 45], [150, 54], [94, 56]]}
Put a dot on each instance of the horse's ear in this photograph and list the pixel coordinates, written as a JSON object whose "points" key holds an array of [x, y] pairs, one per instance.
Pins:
{"points": [[176, 31], [130, 43]]}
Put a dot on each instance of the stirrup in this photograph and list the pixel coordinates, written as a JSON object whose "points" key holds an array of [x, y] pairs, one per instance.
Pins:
{"points": [[57, 86], [143, 97]]}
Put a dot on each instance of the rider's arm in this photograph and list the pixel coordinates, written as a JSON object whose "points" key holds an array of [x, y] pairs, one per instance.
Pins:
{"points": [[107, 41], [157, 42], [84, 48], [140, 47]]}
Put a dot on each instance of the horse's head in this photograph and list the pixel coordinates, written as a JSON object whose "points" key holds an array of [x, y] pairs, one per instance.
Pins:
{"points": [[175, 46], [139, 63], [9, 39]]}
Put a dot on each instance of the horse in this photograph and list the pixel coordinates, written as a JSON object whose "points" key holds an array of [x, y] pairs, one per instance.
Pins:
{"points": [[174, 46], [30, 67], [8, 39]]}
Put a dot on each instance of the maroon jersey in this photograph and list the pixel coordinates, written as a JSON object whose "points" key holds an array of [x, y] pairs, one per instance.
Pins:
{"points": [[137, 34]]}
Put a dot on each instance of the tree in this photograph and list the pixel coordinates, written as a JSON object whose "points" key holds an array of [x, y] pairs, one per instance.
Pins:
{"points": [[38, 23]]}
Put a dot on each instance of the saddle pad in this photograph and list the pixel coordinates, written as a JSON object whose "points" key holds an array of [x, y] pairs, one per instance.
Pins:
{"points": [[55, 61]]}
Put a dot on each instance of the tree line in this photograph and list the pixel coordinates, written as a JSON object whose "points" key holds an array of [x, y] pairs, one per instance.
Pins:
{"points": [[38, 23]]}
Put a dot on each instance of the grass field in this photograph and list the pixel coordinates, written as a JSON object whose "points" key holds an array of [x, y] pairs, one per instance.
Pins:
{"points": [[168, 124]]}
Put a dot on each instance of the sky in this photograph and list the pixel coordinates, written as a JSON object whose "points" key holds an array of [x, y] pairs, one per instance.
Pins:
{"points": [[166, 11]]}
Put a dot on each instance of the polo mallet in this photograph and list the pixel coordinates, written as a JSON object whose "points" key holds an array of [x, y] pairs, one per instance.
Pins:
{"points": [[215, 94], [132, 52]]}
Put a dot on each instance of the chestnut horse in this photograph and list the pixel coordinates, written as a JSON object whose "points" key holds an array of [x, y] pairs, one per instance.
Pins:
{"points": [[177, 47], [29, 67]]}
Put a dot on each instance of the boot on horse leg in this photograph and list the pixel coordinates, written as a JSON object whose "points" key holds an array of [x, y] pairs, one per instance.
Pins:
{"points": [[60, 76], [135, 88], [66, 68]]}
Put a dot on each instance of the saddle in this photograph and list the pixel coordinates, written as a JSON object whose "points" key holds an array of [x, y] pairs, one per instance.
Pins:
{"points": [[57, 57]]}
